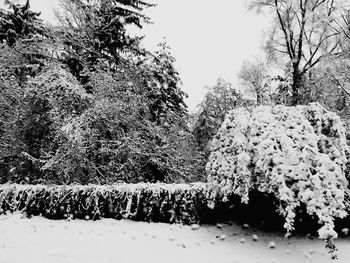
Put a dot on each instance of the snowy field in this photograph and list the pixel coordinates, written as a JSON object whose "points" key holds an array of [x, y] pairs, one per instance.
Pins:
{"points": [[39, 240]]}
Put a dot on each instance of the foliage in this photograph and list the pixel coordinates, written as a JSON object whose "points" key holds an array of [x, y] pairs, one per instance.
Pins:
{"points": [[297, 154], [35, 113], [175, 203], [121, 116], [69, 135], [329, 85], [21, 22], [281, 90], [94, 37], [218, 100], [304, 33], [163, 84], [153, 77], [66, 97], [11, 109], [92, 30], [254, 79], [13, 70], [21, 61], [113, 141]]}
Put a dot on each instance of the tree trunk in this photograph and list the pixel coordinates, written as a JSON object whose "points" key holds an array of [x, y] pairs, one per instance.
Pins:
{"points": [[258, 96], [296, 86]]}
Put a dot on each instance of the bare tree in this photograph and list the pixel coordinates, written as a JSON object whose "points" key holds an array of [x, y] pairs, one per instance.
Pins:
{"points": [[305, 32], [253, 76], [332, 83]]}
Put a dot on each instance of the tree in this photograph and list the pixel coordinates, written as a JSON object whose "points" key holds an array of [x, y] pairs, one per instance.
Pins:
{"points": [[25, 48], [11, 109], [253, 76], [218, 100], [153, 77], [162, 84], [96, 29], [114, 140], [330, 85], [49, 101], [20, 23], [305, 32], [85, 103], [26, 42], [94, 36], [338, 73], [297, 154]]}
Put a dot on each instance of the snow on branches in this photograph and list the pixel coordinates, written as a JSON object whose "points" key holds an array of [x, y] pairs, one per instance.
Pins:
{"points": [[172, 203], [298, 154]]}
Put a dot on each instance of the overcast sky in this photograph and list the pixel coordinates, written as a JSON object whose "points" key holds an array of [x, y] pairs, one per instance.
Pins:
{"points": [[209, 39]]}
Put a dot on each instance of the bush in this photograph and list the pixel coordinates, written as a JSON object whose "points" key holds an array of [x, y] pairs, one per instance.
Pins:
{"points": [[298, 154], [172, 203]]}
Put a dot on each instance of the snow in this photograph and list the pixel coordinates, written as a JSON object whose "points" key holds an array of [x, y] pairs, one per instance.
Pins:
{"points": [[39, 240], [299, 154]]}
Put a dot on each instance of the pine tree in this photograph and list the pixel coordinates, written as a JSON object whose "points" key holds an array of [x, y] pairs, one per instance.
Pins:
{"points": [[93, 30], [20, 22]]}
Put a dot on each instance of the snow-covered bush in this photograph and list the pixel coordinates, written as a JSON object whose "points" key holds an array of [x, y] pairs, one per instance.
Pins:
{"points": [[171, 203], [298, 154]]}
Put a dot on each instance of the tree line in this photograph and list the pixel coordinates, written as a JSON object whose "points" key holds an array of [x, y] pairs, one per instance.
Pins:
{"points": [[84, 102]]}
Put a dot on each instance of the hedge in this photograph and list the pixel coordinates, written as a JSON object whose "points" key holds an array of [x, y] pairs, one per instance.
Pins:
{"points": [[168, 203], [172, 203]]}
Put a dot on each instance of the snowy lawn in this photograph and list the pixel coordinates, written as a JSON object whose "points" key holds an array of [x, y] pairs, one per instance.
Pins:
{"points": [[39, 240]]}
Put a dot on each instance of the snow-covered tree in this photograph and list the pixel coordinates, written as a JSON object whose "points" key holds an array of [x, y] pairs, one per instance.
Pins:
{"points": [[304, 33], [218, 100], [254, 78], [298, 154]]}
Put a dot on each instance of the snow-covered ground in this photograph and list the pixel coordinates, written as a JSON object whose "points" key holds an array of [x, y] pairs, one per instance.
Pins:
{"points": [[38, 240]]}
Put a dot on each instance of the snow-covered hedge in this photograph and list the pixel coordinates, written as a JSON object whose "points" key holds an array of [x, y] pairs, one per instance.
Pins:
{"points": [[174, 203], [298, 154]]}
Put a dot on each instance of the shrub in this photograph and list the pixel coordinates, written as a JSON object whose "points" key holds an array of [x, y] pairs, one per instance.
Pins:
{"points": [[173, 203], [298, 154]]}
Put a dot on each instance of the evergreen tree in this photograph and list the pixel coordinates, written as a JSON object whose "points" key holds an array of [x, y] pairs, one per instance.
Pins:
{"points": [[20, 22], [218, 100], [95, 30]]}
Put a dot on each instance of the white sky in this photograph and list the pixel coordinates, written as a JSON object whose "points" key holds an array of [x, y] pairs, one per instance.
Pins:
{"points": [[209, 39]]}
